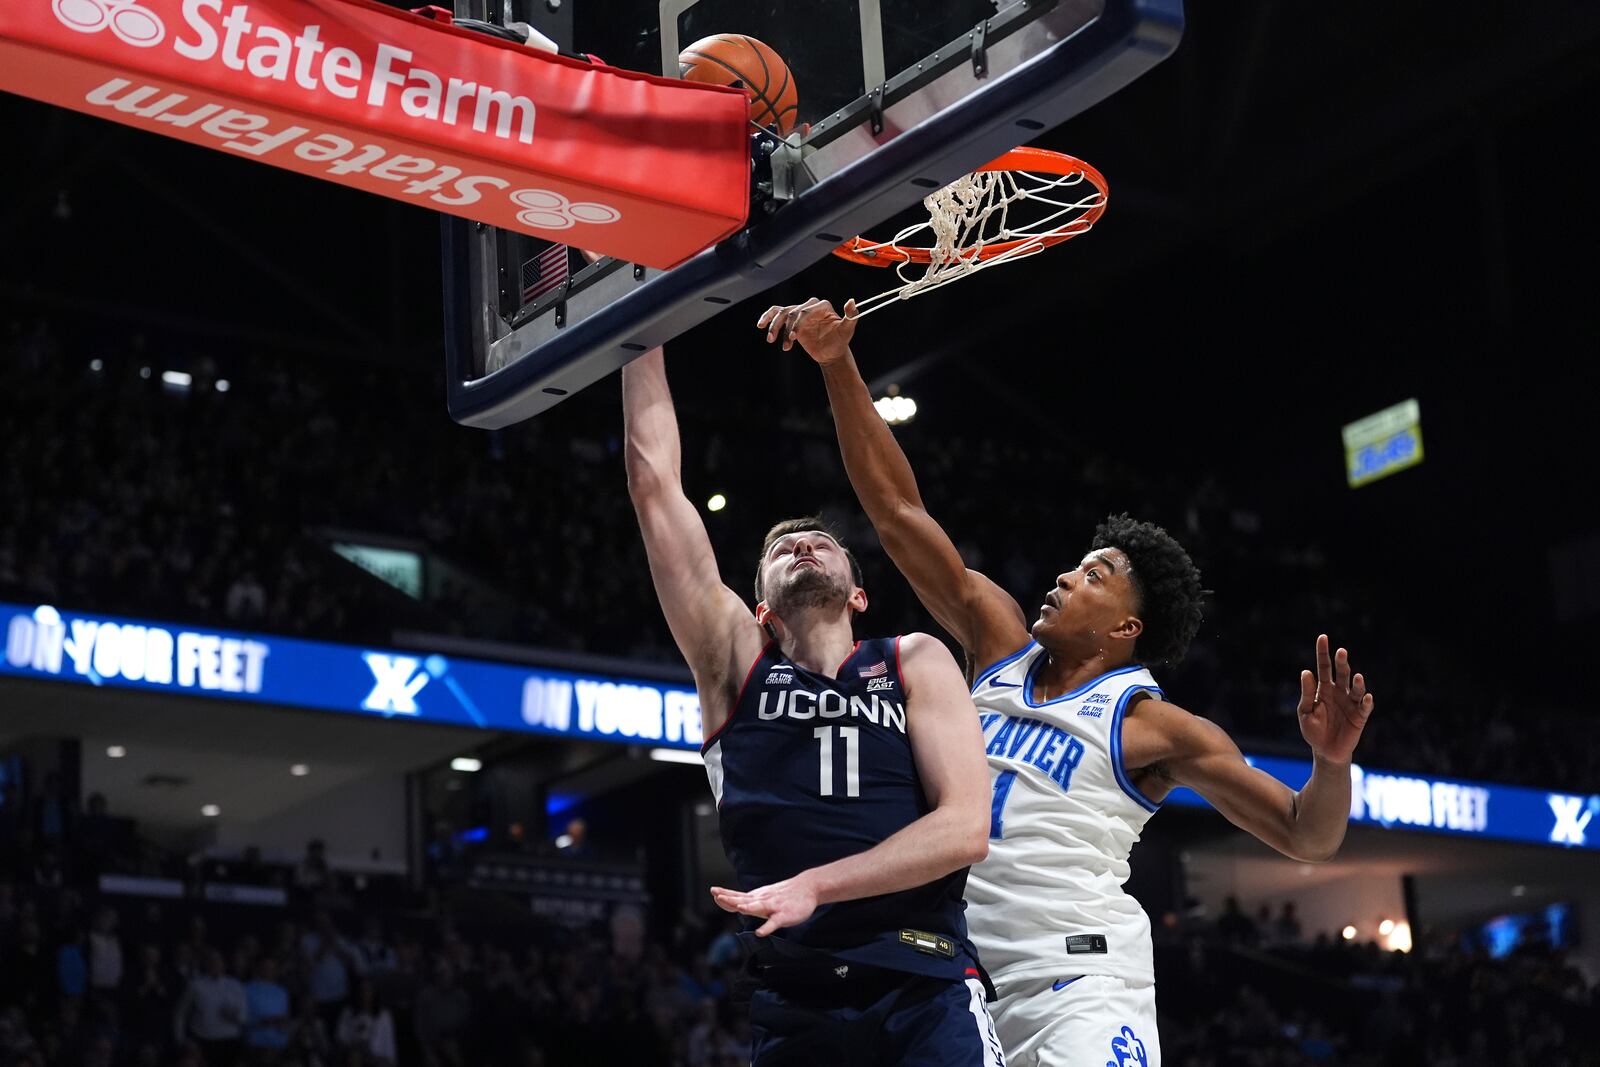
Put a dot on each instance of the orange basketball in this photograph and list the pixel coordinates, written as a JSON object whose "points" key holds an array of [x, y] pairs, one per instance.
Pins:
{"points": [[727, 58]]}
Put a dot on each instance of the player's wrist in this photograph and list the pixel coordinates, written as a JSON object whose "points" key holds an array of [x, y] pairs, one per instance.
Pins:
{"points": [[1324, 761], [830, 359]]}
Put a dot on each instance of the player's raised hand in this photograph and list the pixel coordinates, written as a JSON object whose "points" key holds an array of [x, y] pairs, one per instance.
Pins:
{"points": [[785, 903], [820, 330], [1334, 706]]}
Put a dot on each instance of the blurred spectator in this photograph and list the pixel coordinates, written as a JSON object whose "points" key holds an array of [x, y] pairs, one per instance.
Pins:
{"points": [[367, 1028], [105, 959], [443, 1012], [574, 843], [1234, 926], [309, 1044], [72, 966], [149, 1000], [52, 814], [267, 1034], [330, 960], [212, 1012], [246, 603], [312, 875], [1287, 929], [377, 957]]}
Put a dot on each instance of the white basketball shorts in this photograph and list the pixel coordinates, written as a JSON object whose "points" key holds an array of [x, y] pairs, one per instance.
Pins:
{"points": [[1088, 1021]]}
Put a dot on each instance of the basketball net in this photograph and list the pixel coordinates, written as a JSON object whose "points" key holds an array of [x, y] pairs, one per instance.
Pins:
{"points": [[979, 221]]}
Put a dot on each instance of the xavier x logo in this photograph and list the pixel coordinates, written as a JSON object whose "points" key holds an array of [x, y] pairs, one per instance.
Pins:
{"points": [[397, 681], [1572, 820]]}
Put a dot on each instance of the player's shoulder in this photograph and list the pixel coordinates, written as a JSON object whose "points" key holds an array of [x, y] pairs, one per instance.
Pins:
{"points": [[1173, 730], [921, 648]]}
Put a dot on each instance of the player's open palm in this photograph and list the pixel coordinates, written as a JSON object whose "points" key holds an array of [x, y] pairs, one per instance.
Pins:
{"points": [[820, 330], [786, 903], [1334, 705]]}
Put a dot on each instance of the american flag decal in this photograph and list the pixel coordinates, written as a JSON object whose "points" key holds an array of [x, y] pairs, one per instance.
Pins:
{"points": [[877, 670], [543, 272]]}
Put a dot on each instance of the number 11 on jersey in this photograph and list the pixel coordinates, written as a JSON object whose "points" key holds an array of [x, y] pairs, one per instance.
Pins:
{"points": [[852, 759]]}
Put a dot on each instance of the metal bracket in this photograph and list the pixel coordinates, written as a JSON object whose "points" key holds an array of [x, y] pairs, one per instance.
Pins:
{"points": [[980, 54], [786, 160], [875, 108]]}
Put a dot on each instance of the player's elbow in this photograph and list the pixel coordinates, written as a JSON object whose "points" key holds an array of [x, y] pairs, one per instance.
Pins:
{"points": [[1308, 850], [1321, 854], [969, 841]]}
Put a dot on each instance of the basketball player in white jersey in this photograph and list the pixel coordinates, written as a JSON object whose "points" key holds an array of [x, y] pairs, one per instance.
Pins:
{"points": [[1082, 744]]}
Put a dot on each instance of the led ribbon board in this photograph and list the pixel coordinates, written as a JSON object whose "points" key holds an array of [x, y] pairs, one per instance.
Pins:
{"points": [[1381, 444], [1447, 806], [647, 169], [44, 643]]}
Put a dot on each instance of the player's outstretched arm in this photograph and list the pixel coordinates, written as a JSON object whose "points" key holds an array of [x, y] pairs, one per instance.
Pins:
{"points": [[1309, 825], [713, 627], [947, 745], [978, 613]]}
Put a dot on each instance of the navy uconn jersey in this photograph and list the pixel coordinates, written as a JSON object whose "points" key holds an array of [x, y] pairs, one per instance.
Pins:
{"points": [[809, 769]]}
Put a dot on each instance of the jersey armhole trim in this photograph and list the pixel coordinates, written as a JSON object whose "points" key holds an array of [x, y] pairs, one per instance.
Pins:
{"points": [[1116, 747], [738, 698], [899, 674], [999, 664]]}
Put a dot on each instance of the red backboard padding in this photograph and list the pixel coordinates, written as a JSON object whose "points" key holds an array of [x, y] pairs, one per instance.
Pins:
{"points": [[647, 169]]}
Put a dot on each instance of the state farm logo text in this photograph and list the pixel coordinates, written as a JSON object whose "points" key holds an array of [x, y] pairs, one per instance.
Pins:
{"points": [[265, 43], [242, 41], [130, 22]]}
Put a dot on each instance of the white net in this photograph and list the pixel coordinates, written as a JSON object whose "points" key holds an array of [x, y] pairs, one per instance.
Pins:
{"points": [[1011, 213]]}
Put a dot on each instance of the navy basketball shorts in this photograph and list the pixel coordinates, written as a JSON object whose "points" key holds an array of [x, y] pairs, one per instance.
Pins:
{"points": [[870, 1017]]}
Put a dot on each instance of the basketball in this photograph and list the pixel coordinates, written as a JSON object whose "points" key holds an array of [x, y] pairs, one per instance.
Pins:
{"points": [[729, 58]]}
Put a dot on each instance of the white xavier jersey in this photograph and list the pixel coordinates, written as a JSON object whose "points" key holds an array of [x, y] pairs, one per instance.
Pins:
{"points": [[1048, 901]]}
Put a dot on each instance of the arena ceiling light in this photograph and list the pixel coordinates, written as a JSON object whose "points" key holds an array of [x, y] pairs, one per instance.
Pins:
{"points": [[116, 751], [1348, 933], [717, 502], [178, 379], [466, 764], [299, 770], [896, 409], [210, 811], [676, 755], [222, 385], [1386, 927]]}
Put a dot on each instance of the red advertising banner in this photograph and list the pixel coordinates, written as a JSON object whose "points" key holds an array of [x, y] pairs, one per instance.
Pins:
{"points": [[647, 169]]}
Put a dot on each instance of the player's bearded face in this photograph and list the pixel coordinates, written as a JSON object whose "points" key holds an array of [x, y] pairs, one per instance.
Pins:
{"points": [[806, 587]]}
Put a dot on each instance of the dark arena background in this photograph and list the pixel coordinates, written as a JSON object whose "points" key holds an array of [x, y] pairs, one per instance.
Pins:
{"points": [[425, 766]]}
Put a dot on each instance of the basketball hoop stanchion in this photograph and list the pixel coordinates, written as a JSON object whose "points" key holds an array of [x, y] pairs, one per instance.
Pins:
{"points": [[976, 222]]}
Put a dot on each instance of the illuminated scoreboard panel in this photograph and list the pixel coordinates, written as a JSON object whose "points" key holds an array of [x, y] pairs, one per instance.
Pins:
{"points": [[1383, 443]]}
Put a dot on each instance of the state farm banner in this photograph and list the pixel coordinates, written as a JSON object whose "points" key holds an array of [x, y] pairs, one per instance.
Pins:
{"points": [[647, 169]]}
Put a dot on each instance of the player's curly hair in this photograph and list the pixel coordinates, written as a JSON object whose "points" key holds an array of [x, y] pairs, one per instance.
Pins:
{"points": [[1166, 582], [805, 524]]}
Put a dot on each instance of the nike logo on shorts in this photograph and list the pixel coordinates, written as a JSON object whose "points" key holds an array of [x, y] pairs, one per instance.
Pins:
{"points": [[1063, 983]]}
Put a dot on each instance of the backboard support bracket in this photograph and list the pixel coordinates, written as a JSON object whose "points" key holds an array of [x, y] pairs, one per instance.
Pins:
{"points": [[1030, 67]]}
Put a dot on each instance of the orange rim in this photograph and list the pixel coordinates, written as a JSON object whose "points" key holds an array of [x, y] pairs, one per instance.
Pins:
{"points": [[1033, 160]]}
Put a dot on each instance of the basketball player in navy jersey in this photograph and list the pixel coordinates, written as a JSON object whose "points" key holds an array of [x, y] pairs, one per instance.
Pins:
{"points": [[849, 780], [1081, 743]]}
